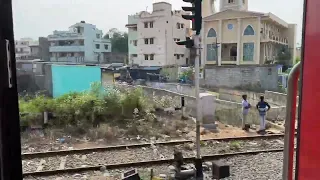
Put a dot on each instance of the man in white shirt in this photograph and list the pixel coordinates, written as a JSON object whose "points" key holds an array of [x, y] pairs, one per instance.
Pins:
{"points": [[245, 110]]}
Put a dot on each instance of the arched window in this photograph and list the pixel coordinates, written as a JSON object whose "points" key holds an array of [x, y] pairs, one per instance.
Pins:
{"points": [[248, 31], [212, 33]]}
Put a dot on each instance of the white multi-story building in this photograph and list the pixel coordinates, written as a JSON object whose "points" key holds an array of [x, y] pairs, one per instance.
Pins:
{"points": [[22, 48], [152, 37], [82, 43]]}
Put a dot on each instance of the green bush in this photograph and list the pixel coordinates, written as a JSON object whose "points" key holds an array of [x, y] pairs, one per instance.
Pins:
{"points": [[84, 108]]}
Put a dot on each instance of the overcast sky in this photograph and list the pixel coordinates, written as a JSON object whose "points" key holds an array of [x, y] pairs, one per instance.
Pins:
{"points": [[34, 18]]}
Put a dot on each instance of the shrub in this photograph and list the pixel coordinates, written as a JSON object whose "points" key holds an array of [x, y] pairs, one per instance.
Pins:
{"points": [[84, 108], [131, 99]]}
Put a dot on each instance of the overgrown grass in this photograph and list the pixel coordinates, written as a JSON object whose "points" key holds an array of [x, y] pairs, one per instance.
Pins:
{"points": [[100, 113], [83, 108]]}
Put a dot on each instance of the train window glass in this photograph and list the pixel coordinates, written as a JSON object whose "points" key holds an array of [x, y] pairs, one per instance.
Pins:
{"points": [[78, 91]]}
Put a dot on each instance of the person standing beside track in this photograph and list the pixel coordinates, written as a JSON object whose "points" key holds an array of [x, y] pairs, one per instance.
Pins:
{"points": [[262, 107], [245, 110]]}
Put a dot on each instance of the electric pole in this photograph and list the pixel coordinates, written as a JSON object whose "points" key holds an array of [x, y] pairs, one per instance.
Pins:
{"points": [[195, 42]]}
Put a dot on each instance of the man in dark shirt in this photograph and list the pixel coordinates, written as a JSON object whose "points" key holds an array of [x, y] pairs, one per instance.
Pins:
{"points": [[262, 107]]}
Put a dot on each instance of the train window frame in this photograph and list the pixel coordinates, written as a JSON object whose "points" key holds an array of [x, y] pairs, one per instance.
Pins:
{"points": [[10, 152]]}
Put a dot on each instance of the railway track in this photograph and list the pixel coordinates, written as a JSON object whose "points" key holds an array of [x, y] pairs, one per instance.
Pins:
{"points": [[140, 145], [139, 155]]}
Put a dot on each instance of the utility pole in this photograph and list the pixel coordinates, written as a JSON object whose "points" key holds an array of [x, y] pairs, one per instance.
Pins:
{"points": [[196, 19]]}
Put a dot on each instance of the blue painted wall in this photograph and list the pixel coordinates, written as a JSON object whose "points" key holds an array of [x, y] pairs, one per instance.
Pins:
{"points": [[73, 78]]}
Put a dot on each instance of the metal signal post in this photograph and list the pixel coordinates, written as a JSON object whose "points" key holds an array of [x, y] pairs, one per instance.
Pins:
{"points": [[195, 42], [197, 45]]}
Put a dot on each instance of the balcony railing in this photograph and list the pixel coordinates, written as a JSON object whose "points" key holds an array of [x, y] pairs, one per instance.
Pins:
{"points": [[229, 58], [66, 36], [66, 48], [265, 37]]}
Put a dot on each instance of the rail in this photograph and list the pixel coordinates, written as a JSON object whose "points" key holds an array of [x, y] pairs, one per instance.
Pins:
{"points": [[121, 147], [145, 162]]}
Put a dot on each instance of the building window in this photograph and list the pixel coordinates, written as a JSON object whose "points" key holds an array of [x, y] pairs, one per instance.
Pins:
{"points": [[97, 46], [182, 26], [230, 1], [146, 41], [146, 57], [135, 42], [178, 56], [178, 25], [151, 40], [151, 56], [134, 55], [211, 52], [212, 33], [106, 46], [248, 31], [145, 25], [248, 51], [98, 36], [230, 26], [151, 24]]}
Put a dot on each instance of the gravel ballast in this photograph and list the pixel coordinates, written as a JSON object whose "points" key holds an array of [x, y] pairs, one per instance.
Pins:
{"points": [[264, 166], [153, 152]]}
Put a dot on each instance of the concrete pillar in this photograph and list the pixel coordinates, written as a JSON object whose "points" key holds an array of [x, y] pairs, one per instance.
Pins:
{"points": [[239, 42], [257, 46], [220, 41], [45, 117], [208, 108]]}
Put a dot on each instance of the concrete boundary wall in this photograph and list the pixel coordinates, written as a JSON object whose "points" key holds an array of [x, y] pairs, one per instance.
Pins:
{"points": [[277, 98], [236, 95], [226, 111]]}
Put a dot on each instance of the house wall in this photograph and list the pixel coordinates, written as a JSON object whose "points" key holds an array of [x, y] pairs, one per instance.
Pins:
{"points": [[227, 112], [164, 31], [67, 78], [91, 36], [226, 36], [268, 29], [258, 77]]}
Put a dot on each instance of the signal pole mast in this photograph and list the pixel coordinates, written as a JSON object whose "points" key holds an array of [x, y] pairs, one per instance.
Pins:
{"points": [[195, 42]]}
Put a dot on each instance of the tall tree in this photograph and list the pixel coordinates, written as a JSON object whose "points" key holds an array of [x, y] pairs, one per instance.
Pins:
{"points": [[284, 55], [119, 40]]}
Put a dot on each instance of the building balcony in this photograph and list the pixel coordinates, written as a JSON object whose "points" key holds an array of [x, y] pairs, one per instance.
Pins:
{"points": [[65, 36], [67, 59], [66, 49], [275, 39], [229, 60], [133, 25], [102, 41]]}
